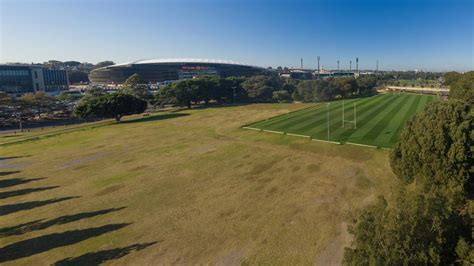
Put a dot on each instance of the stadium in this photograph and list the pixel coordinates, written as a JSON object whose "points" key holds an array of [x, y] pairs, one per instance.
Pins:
{"points": [[169, 70]]}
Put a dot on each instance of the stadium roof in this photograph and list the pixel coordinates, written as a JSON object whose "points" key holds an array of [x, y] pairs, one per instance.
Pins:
{"points": [[182, 60]]}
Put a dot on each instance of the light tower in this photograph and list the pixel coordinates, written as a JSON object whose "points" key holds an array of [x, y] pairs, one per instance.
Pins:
{"points": [[318, 63], [357, 65], [337, 65]]}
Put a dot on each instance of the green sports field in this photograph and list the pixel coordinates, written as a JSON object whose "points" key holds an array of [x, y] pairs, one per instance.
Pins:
{"points": [[378, 119]]}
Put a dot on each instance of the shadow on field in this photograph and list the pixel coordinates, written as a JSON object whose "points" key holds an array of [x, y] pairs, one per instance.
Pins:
{"points": [[96, 258], [17, 181], [20, 192], [44, 243], [8, 173], [41, 224], [13, 157], [153, 118], [12, 208]]}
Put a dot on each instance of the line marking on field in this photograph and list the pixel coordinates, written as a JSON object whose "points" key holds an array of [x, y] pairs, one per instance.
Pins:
{"points": [[276, 132], [362, 145], [326, 141], [252, 128], [297, 135]]}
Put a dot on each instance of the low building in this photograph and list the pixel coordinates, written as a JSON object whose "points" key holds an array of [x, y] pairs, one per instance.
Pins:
{"points": [[19, 79]]}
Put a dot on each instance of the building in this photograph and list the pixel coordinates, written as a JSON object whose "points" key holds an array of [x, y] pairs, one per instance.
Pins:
{"points": [[168, 70], [18, 79]]}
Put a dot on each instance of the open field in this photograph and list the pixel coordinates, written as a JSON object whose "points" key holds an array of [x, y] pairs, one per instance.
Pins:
{"points": [[183, 188], [379, 119]]}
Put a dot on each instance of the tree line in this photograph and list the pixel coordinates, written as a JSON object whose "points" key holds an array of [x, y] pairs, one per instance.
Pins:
{"points": [[428, 220], [258, 89]]}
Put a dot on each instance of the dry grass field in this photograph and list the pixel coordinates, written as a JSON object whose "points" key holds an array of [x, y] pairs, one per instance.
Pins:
{"points": [[184, 188]]}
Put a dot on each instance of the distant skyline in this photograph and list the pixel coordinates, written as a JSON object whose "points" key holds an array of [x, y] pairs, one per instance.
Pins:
{"points": [[435, 35]]}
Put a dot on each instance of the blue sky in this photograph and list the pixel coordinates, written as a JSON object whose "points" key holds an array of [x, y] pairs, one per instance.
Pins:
{"points": [[429, 35]]}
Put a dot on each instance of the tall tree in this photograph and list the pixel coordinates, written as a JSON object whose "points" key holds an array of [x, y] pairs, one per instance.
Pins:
{"points": [[114, 105], [463, 88]]}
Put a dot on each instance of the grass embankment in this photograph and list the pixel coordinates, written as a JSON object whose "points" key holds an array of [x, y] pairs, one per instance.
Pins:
{"points": [[189, 187], [379, 119]]}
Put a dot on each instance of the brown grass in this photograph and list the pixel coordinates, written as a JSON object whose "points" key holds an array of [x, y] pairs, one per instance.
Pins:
{"points": [[200, 187]]}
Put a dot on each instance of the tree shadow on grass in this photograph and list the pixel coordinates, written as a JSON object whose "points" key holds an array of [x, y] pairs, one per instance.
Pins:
{"points": [[17, 181], [20, 192], [153, 118], [12, 208], [13, 157], [97, 258], [44, 243], [8, 173], [41, 224]]}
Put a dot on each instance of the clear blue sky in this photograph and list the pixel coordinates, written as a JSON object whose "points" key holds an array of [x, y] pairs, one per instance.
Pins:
{"points": [[428, 35]]}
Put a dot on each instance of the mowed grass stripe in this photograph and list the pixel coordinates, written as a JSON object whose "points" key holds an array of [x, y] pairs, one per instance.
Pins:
{"points": [[423, 101], [288, 122], [282, 118], [362, 110], [335, 115], [367, 114], [392, 128], [374, 117]]}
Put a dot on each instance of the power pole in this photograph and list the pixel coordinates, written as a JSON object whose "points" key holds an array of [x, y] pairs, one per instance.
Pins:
{"points": [[301, 62], [350, 65], [377, 67], [337, 65]]}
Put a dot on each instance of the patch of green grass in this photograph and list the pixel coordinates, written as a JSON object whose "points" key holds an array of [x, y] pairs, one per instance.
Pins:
{"points": [[379, 119]]}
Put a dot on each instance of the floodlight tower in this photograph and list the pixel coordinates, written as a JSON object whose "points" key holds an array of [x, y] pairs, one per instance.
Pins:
{"points": [[357, 65], [319, 58]]}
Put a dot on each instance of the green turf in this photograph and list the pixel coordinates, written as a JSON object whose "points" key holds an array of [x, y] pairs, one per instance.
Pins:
{"points": [[379, 119]]}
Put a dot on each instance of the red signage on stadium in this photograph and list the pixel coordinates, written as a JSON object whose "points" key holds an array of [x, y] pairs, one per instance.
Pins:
{"points": [[194, 68]]}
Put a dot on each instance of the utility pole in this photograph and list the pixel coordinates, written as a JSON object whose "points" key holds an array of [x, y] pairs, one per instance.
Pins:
{"points": [[350, 65], [377, 67], [301, 62], [337, 65]]}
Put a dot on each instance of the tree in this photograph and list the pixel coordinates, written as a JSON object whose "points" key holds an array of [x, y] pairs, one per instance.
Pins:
{"points": [[463, 88], [420, 229], [451, 77], [104, 64], [434, 147], [76, 76], [110, 106], [281, 96], [134, 86], [260, 88], [429, 221]]}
